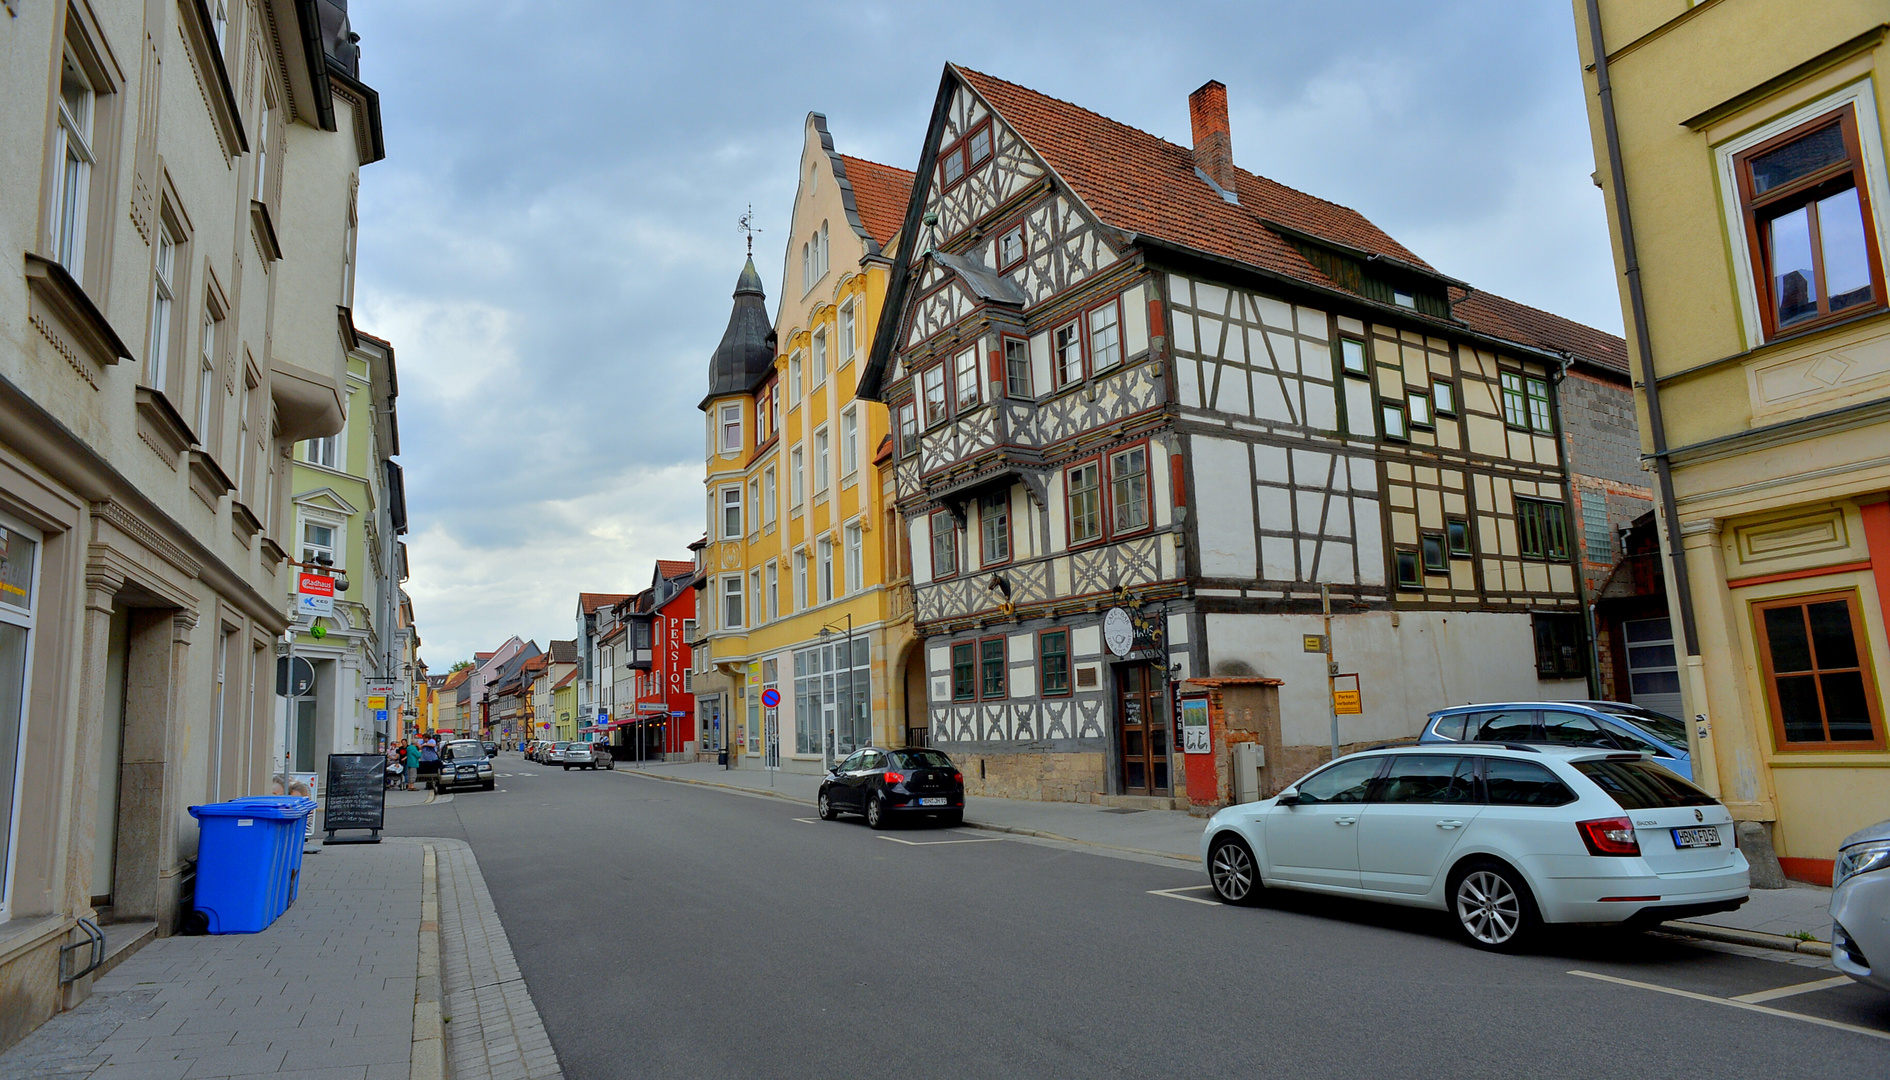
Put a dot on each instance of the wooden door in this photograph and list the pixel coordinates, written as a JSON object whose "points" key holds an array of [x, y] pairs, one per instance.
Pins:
{"points": [[1142, 731]]}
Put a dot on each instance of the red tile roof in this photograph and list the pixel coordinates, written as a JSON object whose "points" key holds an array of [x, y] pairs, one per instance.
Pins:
{"points": [[535, 663], [674, 568], [455, 678], [591, 601], [1143, 184], [1493, 315], [566, 681], [880, 192]]}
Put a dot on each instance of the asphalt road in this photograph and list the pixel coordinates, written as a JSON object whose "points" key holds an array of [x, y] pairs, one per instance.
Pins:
{"points": [[668, 930]]}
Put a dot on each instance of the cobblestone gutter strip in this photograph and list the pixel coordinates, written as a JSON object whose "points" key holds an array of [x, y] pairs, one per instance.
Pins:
{"points": [[429, 1041], [765, 793], [1752, 938], [493, 1031]]}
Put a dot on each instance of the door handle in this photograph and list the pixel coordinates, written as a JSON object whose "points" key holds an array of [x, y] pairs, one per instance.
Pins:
{"points": [[1345, 821], [1450, 824]]}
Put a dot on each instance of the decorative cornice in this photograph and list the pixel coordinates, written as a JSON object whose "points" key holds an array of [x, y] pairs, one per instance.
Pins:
{"points": [[131, 525]]}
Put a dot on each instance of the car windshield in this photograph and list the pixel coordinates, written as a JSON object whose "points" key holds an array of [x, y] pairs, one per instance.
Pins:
{"points": [[462, 751], [1642, 785], [1667, 729], [920, 759]]}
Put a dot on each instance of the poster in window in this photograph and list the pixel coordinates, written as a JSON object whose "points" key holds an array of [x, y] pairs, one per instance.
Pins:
{"points": [[1194, 726]]}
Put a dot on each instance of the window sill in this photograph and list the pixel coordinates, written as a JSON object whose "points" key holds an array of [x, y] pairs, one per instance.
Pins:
{"points": [[161, 426], [265, 230], [850, 480], [60, 303]]}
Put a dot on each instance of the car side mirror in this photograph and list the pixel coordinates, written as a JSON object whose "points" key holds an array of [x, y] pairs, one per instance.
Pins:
{"points": [[1289, 797]]}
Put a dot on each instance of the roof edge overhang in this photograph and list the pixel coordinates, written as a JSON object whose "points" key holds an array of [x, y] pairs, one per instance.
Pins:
{"points": [[1373, 258]]}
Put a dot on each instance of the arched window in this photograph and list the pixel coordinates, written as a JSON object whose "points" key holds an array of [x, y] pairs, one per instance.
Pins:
{"points": [[823, 249], [807, 267]]}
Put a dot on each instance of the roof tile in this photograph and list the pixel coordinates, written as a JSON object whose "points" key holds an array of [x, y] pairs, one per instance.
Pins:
{"points": [[880, 193]]}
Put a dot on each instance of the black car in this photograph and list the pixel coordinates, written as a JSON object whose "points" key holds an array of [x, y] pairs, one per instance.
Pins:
{"points": [[492, 749], [887, 784], [463, 764]]}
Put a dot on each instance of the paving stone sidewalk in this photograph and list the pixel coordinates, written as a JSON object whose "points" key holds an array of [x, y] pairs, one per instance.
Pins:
{"points": [[326, 993]]}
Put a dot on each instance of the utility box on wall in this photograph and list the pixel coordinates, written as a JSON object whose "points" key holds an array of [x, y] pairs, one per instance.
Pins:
{"points": [[1248, 758]]}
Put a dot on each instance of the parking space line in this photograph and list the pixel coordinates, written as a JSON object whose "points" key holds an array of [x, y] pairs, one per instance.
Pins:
{"points": [[1735, 1003], [808, 820], [936, 843], [1794, 990], [1173, 894]]}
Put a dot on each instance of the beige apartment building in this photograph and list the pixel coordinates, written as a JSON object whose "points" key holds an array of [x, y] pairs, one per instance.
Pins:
{"points": [[180, 186], [1740, 146]]}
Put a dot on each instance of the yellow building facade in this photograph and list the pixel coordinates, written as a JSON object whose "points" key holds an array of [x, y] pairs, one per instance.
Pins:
{"points": [[1741, 149], [795, 596]]}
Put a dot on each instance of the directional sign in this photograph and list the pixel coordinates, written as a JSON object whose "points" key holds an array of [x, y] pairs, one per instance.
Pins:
{"points": [[314, 594], [771, 698]]}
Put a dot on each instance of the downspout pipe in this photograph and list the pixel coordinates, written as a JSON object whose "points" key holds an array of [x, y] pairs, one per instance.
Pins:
{"points": [[1637, 302]]}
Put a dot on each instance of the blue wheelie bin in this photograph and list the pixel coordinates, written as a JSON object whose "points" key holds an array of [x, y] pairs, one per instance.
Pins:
{"points": [[244, 864], [292, 839]]}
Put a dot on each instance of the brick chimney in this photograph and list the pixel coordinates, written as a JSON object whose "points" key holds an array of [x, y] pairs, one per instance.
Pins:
{"points": [[1213, 146]]}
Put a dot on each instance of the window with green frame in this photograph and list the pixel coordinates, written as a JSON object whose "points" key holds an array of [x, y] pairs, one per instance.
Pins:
{"points": [[1541, 529], [964, 671], [1527, 403], [1515, 405], [1055, 646], [991, 668], [1406, 562]]}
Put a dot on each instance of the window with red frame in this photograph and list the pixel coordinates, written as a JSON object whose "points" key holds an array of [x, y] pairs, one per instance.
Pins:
{"points": [[908, 429], [933, 383], [1085, 501], [1010, 247], [1809, 223], [1066, 359], [944, 544], [1128, 490], [1017, 367]]}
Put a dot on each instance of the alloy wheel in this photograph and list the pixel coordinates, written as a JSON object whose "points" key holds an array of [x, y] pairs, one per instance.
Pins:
{"points": [[1488, 907], [875, 813], [1231, 871]]}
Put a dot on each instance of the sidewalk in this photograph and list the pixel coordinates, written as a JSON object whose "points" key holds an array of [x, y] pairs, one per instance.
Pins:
{"points": [[1775, 918], [331, 991]]}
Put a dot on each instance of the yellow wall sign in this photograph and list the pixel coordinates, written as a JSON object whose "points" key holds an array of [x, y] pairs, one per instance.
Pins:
{"points": [[1313, 642], [1347, 699], [377, 701]]}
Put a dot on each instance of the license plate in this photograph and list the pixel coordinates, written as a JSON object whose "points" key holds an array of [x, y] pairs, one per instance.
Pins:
{"points": [[931, 802], [1707, 836]]}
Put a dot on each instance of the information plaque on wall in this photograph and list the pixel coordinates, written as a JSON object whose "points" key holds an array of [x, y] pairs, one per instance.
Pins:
{"points": [[1194, 726], [357, 797]]}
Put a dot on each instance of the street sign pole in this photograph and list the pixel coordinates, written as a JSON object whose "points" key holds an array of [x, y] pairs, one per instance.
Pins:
{"points": [[1332, 707]]}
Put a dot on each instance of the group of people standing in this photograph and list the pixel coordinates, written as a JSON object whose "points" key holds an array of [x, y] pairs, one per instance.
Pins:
{"points": [[417, 758]]}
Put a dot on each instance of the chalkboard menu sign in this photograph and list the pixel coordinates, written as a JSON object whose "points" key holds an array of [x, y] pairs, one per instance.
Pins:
{"points": [[356, 797]]}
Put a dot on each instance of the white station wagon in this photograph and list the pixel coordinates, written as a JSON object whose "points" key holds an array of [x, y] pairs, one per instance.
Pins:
{"points": [[1504, 837]]}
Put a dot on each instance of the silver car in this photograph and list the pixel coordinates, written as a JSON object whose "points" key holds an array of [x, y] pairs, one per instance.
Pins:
{"points": [[1860, 906]]}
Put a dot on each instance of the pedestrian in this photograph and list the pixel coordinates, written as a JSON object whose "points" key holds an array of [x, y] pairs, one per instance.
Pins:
{"points": [[429, 762], [410, 757]]}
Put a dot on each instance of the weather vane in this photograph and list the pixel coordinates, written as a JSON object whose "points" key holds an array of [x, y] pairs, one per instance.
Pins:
{"points": [[746, 226]]}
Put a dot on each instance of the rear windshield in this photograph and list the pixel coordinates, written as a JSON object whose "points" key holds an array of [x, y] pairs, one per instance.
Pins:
{"points": [[920, 759], [1642, 785]]}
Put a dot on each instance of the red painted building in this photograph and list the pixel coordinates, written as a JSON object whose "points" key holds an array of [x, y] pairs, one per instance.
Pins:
{"points": [[665, 704]]}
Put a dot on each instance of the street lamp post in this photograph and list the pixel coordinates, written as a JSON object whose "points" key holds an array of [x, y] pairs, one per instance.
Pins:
{"points": [[833, 742]]}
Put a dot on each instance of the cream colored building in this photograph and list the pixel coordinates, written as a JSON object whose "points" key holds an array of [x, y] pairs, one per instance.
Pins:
{"points": [[1740, 146], [180, 192]]}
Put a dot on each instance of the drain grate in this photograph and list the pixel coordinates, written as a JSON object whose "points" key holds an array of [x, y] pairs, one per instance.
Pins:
{"points": [[1123, 810]]}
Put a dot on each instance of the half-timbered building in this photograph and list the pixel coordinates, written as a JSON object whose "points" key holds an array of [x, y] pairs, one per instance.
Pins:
{"points": [[1148, 406]]}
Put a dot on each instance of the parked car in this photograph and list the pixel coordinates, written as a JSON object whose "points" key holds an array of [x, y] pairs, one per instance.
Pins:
{"points": [[463, 763], [885, 784], [1504, 838], [1860, 906], [586, 755], [536, 751], [1611, 725], [492, 749]]}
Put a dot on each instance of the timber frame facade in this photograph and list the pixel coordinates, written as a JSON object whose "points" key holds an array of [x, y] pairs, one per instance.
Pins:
{"points": [[1126, 375]]}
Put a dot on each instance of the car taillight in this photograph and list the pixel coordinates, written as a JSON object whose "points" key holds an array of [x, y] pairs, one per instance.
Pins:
{"points": [[958, 778], [895, 777], [1609, 836]]}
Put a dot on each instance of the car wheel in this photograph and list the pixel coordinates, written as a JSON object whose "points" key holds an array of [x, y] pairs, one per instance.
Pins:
{"points": [[824, 806], [876, 813], [611, 765], [1233, 872], [567, 768], [1492, 906]]}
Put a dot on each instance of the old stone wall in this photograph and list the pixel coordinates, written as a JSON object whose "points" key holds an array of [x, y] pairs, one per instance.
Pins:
{"points": [[1046, 777]]}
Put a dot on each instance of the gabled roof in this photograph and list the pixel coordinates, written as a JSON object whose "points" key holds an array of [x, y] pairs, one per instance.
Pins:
{"points": [[564, 652], [880, 193], [455, 678], [674, 568], [591, 601], [1507, 319]]}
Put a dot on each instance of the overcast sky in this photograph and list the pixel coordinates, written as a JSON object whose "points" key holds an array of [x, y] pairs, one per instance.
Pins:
{"points": [[551, 242]]}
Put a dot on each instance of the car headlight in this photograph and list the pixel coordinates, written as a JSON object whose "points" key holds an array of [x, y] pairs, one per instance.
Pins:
{"points": [[1862, 859], [483, 767]]}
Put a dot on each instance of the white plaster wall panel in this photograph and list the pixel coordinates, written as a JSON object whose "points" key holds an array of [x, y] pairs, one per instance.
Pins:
{"points": [[1274, 505], [1276, 559], [1312, 323], [1134, 321], [1184, 332], [1371, 542], [1269, 401], [919, 529], [1439, 659], [1178, 629], [1269, 464], [1039, 363], [1086, 640], [1187, 375], [1024, 681], [1225, 521], [1161, 483], [1022, 648]]}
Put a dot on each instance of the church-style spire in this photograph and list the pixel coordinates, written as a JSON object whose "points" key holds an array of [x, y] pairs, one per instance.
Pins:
{"points": [[746, 353]]}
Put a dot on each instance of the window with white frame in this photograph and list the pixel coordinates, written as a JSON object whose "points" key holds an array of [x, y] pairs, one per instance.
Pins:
{"points": [[820, 357], [850, 441], [936, 410], [163, 293], [823, 551], [822, 460], [324, 451], [797, 481], [731, 427], [265, 129], [965, 379], [994, 528], [1016, 367], [1105, 336], [321, 542], [794, 379], [908, 429], [849, 334], [754, 590], [219, 20], [731, 513], [1066, 360], [800, 581], [854, 542], [73, 159], [732, 602], [774, 589], [207, 372], [767, 495], [19, 569], [243, 421]]}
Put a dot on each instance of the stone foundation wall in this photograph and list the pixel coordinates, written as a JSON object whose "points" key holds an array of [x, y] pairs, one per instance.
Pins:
{"points": [[1046, 777]]}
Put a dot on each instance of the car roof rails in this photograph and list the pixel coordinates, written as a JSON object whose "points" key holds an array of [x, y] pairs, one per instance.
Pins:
{"points": [[1525, 747]]}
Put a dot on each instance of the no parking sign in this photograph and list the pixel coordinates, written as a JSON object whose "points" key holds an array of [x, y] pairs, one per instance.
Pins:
{"points": [[771, 698]]}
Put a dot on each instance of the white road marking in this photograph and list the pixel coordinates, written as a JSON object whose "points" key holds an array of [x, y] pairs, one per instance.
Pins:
{"points": [[937, 843], [1794, 990], [1736, 1004], [808, 820], [1171, 894]]}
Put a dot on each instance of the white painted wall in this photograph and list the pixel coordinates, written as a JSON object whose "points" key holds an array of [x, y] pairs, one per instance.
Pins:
{"points": [[1429, 661]]}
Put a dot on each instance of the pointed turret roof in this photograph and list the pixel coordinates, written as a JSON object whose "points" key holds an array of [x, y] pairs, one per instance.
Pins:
{"points": [[746, 353]]}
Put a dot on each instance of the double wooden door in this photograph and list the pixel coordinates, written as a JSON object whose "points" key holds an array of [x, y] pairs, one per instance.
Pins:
{"points": [[1142, 731]]}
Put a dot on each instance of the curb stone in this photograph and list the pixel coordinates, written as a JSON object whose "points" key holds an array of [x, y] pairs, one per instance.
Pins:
{"points": [[1752, 938], [429, 1038]]}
